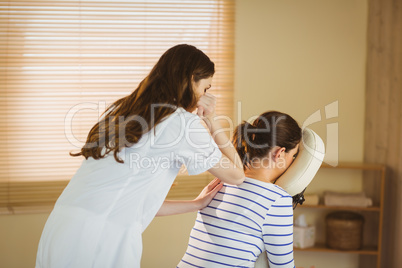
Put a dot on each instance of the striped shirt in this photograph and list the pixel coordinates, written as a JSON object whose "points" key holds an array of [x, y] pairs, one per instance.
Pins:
{"points": [[239, 224]]}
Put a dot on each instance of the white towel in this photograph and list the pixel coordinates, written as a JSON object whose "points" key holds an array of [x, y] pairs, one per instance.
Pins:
{"points": [[347, 199]]}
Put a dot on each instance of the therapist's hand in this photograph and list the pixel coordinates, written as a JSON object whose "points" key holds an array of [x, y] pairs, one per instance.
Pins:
{"points": [[208, 193], [206, 105], [174, 207]]}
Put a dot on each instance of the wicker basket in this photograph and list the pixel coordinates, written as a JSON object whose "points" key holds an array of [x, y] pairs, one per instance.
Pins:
{"points": [[344, 230]]}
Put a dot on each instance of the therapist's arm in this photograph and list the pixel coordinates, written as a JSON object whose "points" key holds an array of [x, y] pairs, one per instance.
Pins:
{"points": [[230, 168], [174, 207]]}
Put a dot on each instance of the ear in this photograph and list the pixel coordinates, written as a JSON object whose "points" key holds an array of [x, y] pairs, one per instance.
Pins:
{"points": [[278, 153]]}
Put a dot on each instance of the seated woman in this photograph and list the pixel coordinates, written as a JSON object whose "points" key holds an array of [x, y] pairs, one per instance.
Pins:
{"points": [[243, 221]]}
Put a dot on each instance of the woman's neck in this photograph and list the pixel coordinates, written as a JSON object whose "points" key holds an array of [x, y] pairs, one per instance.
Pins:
{"points": [[261, 174]]}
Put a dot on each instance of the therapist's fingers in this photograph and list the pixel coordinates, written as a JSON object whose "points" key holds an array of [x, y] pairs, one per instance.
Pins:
{"points": [[216, 189], [206, 104], [210, 191], [215, 182], [200, 111]]}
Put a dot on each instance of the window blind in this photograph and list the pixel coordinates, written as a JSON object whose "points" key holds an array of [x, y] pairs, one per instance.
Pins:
{"points": [[62, 62]]}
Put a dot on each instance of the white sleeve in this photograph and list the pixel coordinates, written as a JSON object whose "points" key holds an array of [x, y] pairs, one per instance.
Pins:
{"points": [[199, 152], [278, 233]]}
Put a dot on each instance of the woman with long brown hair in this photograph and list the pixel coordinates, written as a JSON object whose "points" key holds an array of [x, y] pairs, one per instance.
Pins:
{"points": [[132, 156]]}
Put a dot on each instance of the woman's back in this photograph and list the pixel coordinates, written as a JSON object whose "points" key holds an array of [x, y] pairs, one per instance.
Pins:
{"points": [[239, 224]]}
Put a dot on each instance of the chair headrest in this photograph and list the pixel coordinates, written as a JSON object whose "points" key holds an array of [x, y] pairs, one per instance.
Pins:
{"points": [[303, 169]]}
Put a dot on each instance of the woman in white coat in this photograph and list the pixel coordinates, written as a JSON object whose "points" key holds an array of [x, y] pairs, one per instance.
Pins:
{"points": [[132, 156]]}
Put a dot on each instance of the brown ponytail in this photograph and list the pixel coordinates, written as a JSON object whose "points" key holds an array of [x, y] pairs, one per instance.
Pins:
{"points": [[270, 129]]}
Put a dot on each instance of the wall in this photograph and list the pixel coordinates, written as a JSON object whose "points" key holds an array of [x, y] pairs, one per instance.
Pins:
{"points": [[299, 57], [19, 238], [294, 56]]}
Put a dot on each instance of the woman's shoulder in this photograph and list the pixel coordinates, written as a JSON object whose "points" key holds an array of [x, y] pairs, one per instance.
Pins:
{"points": [[177, 126], [181, 115], [180, 119], [264, 186]]}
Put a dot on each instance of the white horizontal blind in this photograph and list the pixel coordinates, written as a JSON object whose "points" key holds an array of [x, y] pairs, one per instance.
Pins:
{"points": [[62, 62]]}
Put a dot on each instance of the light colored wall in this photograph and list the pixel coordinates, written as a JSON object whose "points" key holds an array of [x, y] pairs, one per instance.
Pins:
{"points": [[299, 57], [19, 238], [292, 56]]}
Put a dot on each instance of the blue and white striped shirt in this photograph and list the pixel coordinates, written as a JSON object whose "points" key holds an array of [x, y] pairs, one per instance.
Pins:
{"points": [[239, 224]]}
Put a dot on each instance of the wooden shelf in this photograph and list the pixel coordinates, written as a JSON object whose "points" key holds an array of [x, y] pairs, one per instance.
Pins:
{"points": [[373, 184], [359, 166], [373, 208], [322, 248]]}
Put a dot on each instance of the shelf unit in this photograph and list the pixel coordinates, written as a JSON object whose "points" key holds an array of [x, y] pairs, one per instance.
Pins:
{"points": [[373, 184]]}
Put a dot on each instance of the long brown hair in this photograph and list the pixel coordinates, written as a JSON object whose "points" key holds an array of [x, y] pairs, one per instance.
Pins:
{"points": [[270, 129], [168, 86]]}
